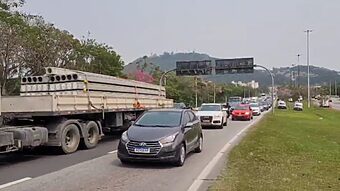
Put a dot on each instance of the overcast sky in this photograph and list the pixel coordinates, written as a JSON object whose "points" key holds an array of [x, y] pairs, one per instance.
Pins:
{"points": [[272, 31]]}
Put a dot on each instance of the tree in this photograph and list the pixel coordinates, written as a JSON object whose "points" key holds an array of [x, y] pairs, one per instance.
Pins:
{"points": [[8, 4], [98, 58], [28, 44], [11, 29]]}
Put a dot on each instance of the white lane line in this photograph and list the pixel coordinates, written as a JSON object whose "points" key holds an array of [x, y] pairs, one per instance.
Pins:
{"points": [[111, 152], [206, 171], [14, 182]]}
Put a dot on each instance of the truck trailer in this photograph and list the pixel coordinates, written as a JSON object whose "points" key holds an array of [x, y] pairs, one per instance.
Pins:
{"points": [[69, 109]]}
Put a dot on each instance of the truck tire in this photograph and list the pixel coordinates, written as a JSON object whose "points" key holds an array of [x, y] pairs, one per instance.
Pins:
{"points": [[91, 135], [70, 138]]}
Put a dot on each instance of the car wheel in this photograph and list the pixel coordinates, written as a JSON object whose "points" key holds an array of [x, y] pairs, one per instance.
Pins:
{"points": [[200, 145], [221, 126], [181, 156], [225, 123], [123, 161]]}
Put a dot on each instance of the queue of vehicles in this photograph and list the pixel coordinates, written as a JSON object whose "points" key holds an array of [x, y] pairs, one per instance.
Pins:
{"points": [[168, 135], [67, 109]]}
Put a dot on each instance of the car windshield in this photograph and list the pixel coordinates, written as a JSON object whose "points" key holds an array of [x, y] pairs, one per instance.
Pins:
{"points": [[235, 99], [210, 108], [160, 119], [241, 107], [254, 105]]}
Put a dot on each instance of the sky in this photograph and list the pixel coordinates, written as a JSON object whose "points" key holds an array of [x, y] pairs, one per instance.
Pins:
{"points": [[271, 31]]}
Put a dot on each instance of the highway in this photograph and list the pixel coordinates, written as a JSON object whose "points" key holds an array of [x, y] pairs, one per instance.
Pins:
{"points": [[100, 169]]}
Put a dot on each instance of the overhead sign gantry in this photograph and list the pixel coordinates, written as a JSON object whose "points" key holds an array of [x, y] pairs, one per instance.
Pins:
{"points": [[218, 66]]}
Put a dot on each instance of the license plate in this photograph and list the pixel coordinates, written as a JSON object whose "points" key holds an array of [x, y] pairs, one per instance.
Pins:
{"points": [[206, 121], [142, 150]]}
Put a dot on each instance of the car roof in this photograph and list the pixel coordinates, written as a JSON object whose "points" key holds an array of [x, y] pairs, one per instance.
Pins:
{"points": [[211, 104], [169, 110]]}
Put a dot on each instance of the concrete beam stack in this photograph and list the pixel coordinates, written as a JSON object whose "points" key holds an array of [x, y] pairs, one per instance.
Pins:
{"points": [[59, 81]]}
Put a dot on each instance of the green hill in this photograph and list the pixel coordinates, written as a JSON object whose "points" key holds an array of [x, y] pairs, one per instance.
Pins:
{"points": [[167, 61]]}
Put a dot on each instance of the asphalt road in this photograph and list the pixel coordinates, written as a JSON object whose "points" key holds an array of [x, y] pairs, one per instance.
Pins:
{"points": [[97, 169], [46, 160]]}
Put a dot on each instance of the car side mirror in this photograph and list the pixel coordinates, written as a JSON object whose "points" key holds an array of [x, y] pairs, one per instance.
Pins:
{"points": [[189, 125]]}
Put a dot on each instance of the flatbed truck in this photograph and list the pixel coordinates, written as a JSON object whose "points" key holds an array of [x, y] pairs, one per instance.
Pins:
{"points": [[68, 121]]}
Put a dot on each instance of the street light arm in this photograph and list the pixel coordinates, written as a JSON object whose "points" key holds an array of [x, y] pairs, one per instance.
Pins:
{"points": [[163, 75], [273, 83], [161, 80]]}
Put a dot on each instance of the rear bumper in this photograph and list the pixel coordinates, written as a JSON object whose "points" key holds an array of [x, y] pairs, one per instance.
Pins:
{"points": [[241, 117]]}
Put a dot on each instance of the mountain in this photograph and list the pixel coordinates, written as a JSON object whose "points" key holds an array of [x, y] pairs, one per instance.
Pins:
{"points": [[283, 75], [166, 61]]}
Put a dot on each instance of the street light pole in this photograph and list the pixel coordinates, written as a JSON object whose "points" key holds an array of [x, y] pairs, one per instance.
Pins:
{"points": [[161, 80], [308, 71], [336, 88], [214, 92], [196, 92], [298, 75], [272, 76]]}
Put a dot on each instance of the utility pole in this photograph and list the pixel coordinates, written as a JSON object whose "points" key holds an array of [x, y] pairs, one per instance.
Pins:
{"points": [[308, 71], [196, 92], [244, 92], [330, 88], [336, 88], [214, 92], [298, 72]]}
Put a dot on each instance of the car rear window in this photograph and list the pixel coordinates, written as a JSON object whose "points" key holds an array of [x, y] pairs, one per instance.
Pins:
{"points": [[210, 108]]}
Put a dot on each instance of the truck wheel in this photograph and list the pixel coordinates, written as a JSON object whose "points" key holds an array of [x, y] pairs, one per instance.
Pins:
{"points": [[70, 139], [91, 135]]}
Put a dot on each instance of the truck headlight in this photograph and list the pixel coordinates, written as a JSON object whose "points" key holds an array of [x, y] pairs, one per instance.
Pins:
{"points": [[124, 137], [169, 139]]}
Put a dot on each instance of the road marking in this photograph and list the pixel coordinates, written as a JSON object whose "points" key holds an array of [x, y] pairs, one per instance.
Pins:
{"points": [[111, 152], [14, 182], [206, 171]]}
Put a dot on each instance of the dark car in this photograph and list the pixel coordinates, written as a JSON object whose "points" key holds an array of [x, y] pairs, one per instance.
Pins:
{"points": [[166, 135]]}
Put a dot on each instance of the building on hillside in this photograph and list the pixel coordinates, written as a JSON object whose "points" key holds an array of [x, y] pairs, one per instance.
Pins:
{"points": [[252, 84]]}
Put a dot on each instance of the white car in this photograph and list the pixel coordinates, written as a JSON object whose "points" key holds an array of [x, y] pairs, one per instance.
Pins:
{"points": [[255, 107], [281, 105], [212, 114], [298, 106]]}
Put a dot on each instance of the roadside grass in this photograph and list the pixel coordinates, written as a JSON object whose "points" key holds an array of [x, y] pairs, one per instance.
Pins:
{"points": [[287, 151]]}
